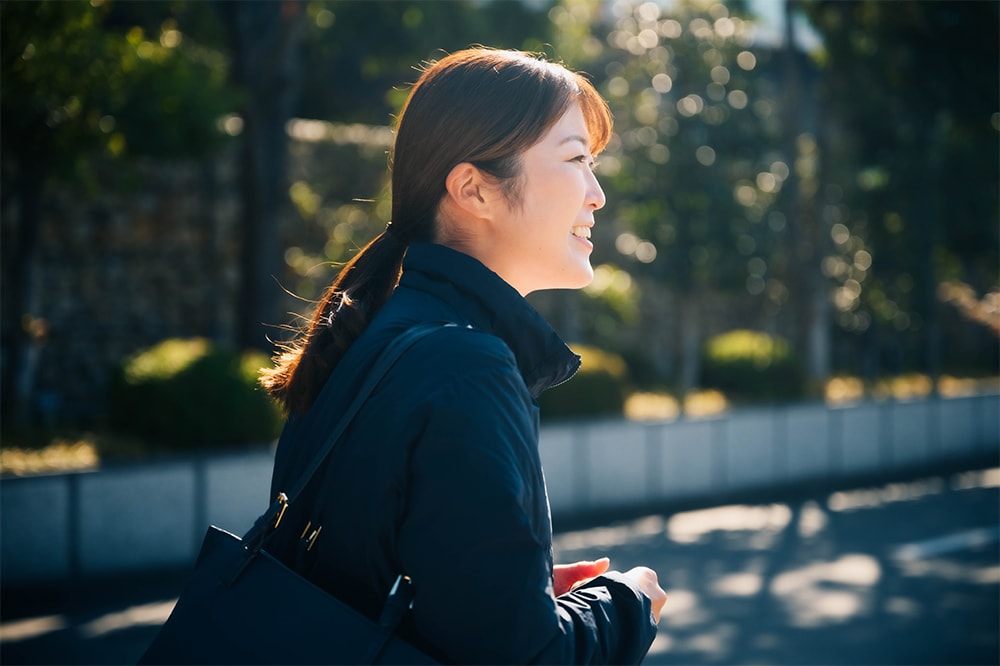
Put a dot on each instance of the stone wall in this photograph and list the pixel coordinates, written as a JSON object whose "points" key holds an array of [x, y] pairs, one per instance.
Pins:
{"points": [[142, 253], [149, 253]]}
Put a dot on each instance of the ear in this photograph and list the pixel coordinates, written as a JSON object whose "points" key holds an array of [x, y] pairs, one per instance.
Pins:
{"points": [[471, 191]]}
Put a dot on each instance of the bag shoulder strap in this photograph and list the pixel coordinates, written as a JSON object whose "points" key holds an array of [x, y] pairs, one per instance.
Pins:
{"points": [[385, 361]]}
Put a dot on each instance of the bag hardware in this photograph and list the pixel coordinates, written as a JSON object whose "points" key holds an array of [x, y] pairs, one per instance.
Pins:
{"points": [[283, 499]]}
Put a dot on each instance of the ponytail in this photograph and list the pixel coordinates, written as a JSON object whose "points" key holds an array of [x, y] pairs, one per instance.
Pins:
{"points": [[302, 366]]}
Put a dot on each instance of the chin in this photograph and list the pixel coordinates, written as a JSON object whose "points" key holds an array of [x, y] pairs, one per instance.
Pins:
{"points": [[581, 278], [571, 276]]}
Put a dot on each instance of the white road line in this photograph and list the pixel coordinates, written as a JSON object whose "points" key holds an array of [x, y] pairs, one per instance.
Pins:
{"points": [[952, 543]]}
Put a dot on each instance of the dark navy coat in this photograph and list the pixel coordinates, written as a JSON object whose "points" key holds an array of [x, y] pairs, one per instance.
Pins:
{"points": [[439, 478]]}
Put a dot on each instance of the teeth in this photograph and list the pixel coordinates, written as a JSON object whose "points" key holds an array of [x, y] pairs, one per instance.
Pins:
{"points": [[581, 231]]}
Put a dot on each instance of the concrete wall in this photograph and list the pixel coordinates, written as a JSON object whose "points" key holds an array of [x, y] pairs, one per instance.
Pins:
{"points": [[144, 517], [618, 464]]}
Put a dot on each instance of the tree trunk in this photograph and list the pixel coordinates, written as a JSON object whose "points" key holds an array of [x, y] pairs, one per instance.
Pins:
{"points": [[19, 256], [266, 38], [806, 238], [690, 342], [926, 213]]}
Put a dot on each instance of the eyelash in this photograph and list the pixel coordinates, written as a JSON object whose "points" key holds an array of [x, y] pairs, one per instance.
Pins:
{"points": [[584, 159]]}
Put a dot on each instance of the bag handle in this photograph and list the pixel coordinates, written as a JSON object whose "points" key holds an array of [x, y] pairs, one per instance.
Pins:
{"points": [[392, 353]]}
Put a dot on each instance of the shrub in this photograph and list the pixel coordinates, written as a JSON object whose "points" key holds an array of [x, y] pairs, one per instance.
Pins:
{"points": [[185, 394], [749, 366], [598, 389]]}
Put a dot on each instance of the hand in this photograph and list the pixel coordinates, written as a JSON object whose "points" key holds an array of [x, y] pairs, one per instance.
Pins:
{"points": [[567, 577], [645, 579]]}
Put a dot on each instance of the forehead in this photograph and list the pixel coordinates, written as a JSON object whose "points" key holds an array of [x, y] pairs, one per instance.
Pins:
{"points": [[571, 128]]}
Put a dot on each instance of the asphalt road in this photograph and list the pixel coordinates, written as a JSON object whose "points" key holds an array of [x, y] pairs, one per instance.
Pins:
{"points": [[891, 573]]}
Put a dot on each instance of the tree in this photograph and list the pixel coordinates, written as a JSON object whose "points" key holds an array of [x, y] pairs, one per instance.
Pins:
{"points": [[804, 139], [75, 84], [265, 38], [696, 170], [912, 93], [363, 55]]}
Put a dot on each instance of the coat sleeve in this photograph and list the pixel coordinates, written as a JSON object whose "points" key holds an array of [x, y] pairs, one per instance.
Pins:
{"points": [[476, 539]]}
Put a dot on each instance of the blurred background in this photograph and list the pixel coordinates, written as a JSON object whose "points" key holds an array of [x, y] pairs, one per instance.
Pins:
{"points": [[802, 209], [802, 196]]}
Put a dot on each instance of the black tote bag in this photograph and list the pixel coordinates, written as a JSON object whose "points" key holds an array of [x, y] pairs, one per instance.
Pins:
{"points": [[243, 606]]}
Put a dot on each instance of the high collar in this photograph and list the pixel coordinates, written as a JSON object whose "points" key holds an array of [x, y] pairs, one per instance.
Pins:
{"points": [[470, 290]]}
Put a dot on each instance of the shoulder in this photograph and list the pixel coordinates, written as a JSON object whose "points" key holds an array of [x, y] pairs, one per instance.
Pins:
{"points": [[466, 346], [454, 357]]}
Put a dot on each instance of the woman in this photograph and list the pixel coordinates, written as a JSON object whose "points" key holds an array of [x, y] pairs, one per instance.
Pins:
{"points": [[438, 477]]}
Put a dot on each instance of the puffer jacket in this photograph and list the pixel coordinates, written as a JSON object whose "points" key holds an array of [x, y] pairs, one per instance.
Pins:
{"points": [[439, 477]]}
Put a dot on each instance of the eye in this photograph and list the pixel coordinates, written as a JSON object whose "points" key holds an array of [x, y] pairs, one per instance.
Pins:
{"points": [[585, 159]]}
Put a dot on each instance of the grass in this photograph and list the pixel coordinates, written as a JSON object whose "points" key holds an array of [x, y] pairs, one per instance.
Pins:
{"points": [[47, 451]]}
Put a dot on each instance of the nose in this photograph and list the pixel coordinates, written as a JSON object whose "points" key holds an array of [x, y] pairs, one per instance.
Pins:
{"points": [[595, 195]]}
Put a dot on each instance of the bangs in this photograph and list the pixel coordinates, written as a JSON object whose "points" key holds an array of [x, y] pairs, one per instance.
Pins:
{"points": [[596, 113]]}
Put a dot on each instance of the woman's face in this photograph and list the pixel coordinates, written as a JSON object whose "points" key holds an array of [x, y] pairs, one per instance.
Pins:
{"points": [[542, 239]]}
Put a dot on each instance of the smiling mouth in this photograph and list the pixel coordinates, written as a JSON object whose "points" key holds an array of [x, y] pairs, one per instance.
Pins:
{"points": [[581, 231]]}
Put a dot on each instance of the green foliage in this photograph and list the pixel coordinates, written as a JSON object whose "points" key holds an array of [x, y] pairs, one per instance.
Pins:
{"points": [[339, 210], [598, 389], [362, 55], [750, 366], [78, 77], [186, 394], [695, 108], [913, 88]]}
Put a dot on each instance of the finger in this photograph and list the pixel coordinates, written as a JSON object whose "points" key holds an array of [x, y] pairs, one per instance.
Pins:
{"points": [[599, 567], [585, 572]]}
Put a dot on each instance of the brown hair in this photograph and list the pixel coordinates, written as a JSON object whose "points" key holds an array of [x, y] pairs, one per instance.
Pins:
{"points": [[481, 106]]}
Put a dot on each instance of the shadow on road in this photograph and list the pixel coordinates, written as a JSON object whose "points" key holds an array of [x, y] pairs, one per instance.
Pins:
{"points": [[897, 573], [902, 573]]}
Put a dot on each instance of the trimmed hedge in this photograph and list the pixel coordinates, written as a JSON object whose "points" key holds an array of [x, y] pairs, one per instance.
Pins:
{"points": [[750, 366], [598, 389], [185, 394]]}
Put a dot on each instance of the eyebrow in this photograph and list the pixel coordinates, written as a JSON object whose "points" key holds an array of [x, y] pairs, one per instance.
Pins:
{"points": [[576, 137]]}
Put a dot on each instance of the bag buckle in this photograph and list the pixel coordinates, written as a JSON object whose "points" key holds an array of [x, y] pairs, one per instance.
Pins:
{"points": [[283, 500], [308, 539], [266, 523]]}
